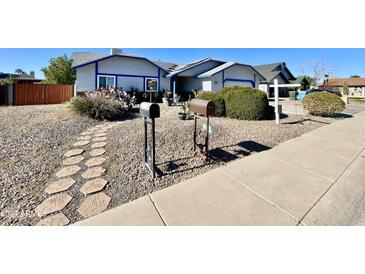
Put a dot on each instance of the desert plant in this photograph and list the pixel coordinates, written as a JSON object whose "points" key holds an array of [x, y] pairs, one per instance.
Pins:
{"points": [[245, 103], [323, 104], [217, 98], [99, 107]]}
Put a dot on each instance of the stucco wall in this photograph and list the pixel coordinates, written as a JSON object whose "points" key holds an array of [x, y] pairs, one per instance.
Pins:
{"points": [[85, 80], [130, 66], [217, 82]]}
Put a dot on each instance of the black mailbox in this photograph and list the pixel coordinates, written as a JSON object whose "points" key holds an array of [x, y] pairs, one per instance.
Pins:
{"points": [[149, 110], [202, 107]]}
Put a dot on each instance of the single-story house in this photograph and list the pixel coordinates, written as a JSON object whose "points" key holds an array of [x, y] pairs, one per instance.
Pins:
{"points": [[356, 86], [302, 81], [277, 71], [131, 72]]}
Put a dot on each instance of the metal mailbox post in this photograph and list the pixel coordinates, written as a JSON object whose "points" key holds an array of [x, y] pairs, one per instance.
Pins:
{"points": [[206, 109], [150, 111]]}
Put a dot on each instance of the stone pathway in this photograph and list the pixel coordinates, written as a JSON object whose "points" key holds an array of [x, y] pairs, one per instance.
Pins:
{"points": [[86, 157]]}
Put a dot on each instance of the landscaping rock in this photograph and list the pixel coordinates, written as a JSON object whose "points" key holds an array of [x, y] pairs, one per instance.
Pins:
{"points": [[73, 160], [73, 152], [98, 144], [68, 171], [55, 220], [53, 203], [93, 186], [60, 185], [100, 134], [96, 161], [97, 152], [99, 139], [93, 172], [94, 204], [81, 143]]}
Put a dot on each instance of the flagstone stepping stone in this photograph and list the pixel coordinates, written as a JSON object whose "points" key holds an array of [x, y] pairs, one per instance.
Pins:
{"points": [[85, 133], [81, 143], [73, 160], [96, 161], [93, 186], [55, 220], [68, 171], [53, 203], [94, 204], [98, 144], [101, 134], [99, 139], [93, 172], [74, 152], [97, 152], [82, 138], [60, 185]]}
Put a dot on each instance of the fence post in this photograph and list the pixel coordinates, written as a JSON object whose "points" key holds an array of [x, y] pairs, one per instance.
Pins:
{"points": [[276, 93]]}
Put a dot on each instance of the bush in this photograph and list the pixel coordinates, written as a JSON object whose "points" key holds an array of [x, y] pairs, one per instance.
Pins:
{"points": [[99, 107], [224, 91], [217, 98], [323, 104], [245, 103]]}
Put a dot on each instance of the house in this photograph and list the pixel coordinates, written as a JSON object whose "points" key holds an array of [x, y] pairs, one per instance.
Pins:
{"points": [[277, 71], [302, 81], [356, 86], [19, 78], [132, 72]]}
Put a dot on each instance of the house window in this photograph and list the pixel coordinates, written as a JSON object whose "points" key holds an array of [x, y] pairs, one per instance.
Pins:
{"points": [[151, 84], [106, 81]]}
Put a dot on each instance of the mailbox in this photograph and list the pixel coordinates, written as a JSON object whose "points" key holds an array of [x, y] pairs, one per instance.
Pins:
{"points": [[202, 107], [149, 110]]}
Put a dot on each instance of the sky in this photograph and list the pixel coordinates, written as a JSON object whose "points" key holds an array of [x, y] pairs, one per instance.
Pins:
{"points": [[343, 62]]}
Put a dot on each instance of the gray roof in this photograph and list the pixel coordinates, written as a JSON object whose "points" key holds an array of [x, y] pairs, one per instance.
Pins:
{"points": [[187, 66], [169, 67], [299, 80], [79, 58], [211, 72], [269, 71]]}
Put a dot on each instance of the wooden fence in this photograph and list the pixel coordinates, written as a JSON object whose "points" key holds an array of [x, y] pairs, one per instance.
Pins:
{"points": [[37, 94]]}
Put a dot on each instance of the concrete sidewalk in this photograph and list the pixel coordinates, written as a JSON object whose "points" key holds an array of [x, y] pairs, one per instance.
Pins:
{"points": [[315, 179]]}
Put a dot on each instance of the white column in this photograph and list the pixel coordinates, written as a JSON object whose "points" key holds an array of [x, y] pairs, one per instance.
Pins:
{"points": [[174, 90], [276, 93]]}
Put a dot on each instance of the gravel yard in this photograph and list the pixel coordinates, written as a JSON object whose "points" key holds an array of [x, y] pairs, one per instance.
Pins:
{"points": [[33, 140]]}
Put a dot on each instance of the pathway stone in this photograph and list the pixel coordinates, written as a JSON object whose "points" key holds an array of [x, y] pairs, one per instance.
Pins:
{"points": [[55, 220], [97, 152], [99, 139], [98, 144], [81, 143], [68, 171], [83, 138], [53, 203], [93, 186], [96, 161], [60, 185], [94, 204], [73, 160], [93, 172], [85, 133], [100, 134], [73, 152]]}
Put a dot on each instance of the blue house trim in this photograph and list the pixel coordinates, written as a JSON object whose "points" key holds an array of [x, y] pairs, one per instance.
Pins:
{"points": [[127, 75]]}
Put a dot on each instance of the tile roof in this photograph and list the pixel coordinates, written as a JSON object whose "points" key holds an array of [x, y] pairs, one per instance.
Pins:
{"points": [[339, 82]]}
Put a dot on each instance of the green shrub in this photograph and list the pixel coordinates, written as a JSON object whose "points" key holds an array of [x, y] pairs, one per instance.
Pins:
{"points": [[245, 103], [323, 104], [98, 107], [217, 98], [224, 91]]}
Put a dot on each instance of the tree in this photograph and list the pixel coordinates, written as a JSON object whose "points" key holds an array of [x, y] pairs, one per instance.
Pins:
{"points": [[355, 76], [59, 71], [19, 71], [32, 74], [345, 90]]}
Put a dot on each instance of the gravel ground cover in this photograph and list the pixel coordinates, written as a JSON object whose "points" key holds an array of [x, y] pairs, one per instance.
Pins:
{"points": [[32, 142]]}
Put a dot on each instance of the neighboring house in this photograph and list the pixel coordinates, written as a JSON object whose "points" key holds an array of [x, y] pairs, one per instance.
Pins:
{"points": [[132, 72], [356, 85], [19, 78], [277, 71], [302, 81]]}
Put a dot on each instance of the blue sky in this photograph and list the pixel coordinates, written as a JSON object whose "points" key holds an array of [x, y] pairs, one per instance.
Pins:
{"points": [[345, 62]]}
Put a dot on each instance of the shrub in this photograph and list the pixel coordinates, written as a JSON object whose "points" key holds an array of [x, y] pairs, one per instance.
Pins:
{"points": [[224, 91], [217, 98], [245, 103], [323, 104], [98, 107]]}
